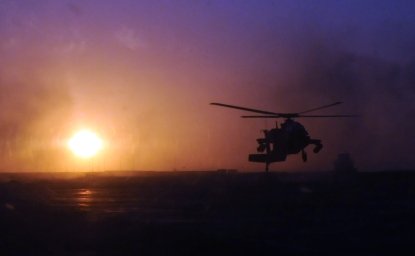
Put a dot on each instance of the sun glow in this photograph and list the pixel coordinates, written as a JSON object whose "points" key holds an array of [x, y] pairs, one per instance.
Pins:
{"points": [[85, 144]]}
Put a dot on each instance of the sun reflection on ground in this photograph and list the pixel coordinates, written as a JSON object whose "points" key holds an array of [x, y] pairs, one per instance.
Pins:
{"points": [[84, 198]]}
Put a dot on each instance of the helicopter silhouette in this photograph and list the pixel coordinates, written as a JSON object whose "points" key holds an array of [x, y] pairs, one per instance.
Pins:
{"points": [[290, 138]]}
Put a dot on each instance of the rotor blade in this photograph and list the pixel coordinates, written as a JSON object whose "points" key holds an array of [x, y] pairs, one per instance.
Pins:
{"points": [[297, 116], [325, 106], [276, 116], [327, 116], [285, 115], [245, 109]]}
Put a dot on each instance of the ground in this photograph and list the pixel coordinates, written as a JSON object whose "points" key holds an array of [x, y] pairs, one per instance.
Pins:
{"points": [[208, 213]]}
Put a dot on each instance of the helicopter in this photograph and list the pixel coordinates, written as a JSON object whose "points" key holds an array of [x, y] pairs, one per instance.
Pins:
{"points": [[290, 138]]}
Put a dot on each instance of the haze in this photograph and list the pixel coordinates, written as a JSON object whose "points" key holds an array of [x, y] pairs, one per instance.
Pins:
{"points": [[142, 75]]}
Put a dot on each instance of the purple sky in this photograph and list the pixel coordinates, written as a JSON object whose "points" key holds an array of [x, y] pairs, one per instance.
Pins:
{"points": [[142, 73]]}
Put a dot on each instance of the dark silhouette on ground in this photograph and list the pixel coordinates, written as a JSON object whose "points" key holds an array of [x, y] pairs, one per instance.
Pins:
{"points": [[291, 138], [344, 164], [206, 213]]}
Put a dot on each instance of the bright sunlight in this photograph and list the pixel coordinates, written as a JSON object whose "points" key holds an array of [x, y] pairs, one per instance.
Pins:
{"points": [[85, 144]]}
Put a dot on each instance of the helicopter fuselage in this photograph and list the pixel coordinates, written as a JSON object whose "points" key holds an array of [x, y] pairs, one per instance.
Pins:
{"points": [[277, 143]]}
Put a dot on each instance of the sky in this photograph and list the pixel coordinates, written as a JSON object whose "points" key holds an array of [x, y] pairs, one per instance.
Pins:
{"points": [[141, 74]]}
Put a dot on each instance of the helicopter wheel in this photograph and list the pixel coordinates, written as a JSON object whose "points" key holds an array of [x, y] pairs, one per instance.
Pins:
{"points": [[304, 156]]}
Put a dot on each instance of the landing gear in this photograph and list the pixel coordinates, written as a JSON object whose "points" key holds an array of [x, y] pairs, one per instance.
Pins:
{"points": [[318, 148], [304, 155], [317, 144]]}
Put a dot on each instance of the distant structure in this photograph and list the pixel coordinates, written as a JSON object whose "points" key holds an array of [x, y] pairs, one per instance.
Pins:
{"points": [[344, 164]]}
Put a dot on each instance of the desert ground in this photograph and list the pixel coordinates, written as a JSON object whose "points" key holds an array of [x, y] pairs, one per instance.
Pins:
{"points": [[207, 213]]}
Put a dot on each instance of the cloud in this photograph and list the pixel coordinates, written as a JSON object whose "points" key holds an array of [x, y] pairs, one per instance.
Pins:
{"points": [[130, 39], [381, 91], [32, 118]]}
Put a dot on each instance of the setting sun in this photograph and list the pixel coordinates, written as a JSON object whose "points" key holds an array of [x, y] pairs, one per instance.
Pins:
{"points": [[85, 144]]}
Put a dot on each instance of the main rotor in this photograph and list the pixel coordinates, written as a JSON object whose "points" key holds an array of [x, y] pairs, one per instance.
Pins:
{"points": [[270, 114]]}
